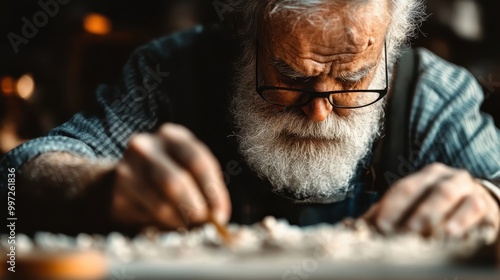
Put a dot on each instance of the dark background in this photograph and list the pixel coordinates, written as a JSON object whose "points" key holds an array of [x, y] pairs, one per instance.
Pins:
{"points": [[66, 61]]}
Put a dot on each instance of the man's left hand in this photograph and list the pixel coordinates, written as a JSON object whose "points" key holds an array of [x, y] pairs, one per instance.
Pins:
{"points": [[436, 200]]}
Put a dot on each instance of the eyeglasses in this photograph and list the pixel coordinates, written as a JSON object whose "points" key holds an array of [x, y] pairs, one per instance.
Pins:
{"points": [[346, 99]]}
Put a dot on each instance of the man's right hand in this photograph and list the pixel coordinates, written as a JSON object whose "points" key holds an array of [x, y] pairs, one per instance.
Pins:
{"points": [[168, 179]]}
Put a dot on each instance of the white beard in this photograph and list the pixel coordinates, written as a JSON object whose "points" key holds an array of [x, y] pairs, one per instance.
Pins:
{"points": [[314, 161]]}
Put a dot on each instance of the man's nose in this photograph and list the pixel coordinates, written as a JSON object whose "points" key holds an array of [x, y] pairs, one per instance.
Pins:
{"points": [[318, 109]]}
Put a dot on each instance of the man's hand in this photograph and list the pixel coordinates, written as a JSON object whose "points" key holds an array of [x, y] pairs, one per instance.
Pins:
{"points": [[169, 179], [436, 200]]}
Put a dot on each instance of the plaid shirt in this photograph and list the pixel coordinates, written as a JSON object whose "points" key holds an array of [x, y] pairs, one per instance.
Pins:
{"points": [[184, 78]]}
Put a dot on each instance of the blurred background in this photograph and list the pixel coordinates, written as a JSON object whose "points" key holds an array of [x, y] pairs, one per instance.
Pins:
{"points": [[54, 53]]}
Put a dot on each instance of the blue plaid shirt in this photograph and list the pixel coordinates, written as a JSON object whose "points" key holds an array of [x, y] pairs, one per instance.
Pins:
{"points": [[186, 78]]}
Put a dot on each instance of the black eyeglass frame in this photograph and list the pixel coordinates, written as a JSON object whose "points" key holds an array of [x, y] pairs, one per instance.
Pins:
{"points": [[314, 94]]}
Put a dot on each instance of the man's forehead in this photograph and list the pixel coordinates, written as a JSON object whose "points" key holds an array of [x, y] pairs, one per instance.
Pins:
{"points": [[337, 31], [348, 39]]}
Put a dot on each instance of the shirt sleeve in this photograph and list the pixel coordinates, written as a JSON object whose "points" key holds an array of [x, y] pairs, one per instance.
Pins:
{"points": [[137, 103], [447, 124]]}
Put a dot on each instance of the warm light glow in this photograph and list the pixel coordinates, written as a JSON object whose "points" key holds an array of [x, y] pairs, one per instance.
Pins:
{"points": [[7, 85], [97, 24], [25, 86]]}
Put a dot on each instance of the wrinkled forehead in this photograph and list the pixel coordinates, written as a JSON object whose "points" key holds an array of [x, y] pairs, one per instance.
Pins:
{"points": [[333, 28]]}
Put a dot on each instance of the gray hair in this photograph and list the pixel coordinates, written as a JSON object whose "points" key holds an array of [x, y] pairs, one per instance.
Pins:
{"points": [[406, 16]]}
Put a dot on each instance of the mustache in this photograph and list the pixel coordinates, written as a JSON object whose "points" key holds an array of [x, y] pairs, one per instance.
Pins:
{"points": [[293, 123]]}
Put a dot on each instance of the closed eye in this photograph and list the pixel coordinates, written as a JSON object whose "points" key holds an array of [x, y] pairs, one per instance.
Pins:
{"points": [[298, 79], [351, 79], [348, 83], [289, 74]]}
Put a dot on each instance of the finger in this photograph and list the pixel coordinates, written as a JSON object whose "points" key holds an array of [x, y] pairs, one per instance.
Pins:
{"points": [[173, 183], [179, 187], [126, 212], [468, 214], [405, 193], [205, 169], [136, 188], [370, 216], [371, 213], [493, 210], [492, 217], [443, 198]]}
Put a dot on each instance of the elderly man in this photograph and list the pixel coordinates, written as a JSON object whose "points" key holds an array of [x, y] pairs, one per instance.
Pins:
{"points": [[302, 115]]}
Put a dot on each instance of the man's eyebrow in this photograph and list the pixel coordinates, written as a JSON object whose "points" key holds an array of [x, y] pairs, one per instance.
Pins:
{"points": [[287, 70], [290, 72], [357, 75]]}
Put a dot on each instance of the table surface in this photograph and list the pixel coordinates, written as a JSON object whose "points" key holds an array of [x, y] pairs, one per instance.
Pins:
{"points": [[152, 270]]}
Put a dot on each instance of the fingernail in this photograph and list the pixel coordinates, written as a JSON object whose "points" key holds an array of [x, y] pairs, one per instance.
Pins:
{"points": [[453, 229]]}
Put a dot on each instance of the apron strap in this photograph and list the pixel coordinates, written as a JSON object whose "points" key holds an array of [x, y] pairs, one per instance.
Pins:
{"points": [[394, 146]]}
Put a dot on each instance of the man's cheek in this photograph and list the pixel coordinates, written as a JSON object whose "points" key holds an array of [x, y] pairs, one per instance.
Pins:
{"points": [[342, 112]]}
